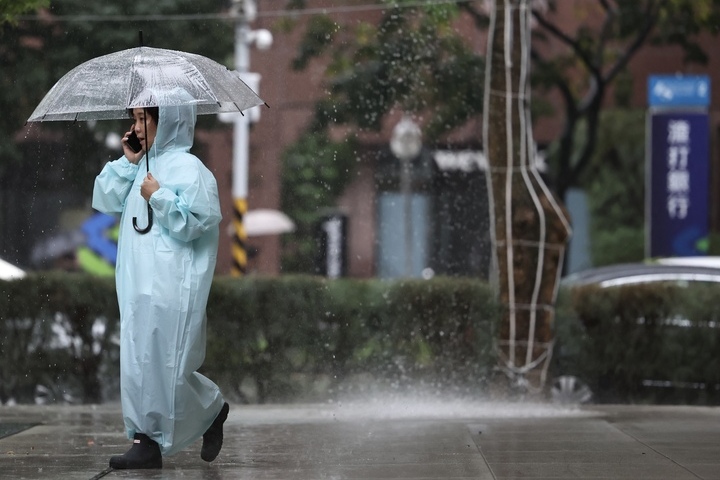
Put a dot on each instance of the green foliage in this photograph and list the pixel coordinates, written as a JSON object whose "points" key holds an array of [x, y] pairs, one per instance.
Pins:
{"points": [[288, 338], [10, 9], [320, 33], [264, 330], [307, 337], [57, 330], [412, 60], [620, 339], [681, 21], [595, 56], [315, 172], [615, 182], [620, 244]]}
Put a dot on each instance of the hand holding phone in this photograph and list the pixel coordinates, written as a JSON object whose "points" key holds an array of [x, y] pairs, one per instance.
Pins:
{"points": [[134, 142]]}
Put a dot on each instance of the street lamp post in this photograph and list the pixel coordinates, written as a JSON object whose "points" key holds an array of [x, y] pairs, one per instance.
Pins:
{"points": [[245, 12], [406, 143]]}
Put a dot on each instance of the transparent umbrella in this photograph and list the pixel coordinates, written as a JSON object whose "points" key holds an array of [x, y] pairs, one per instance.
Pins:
{"points": [[107, 87]]}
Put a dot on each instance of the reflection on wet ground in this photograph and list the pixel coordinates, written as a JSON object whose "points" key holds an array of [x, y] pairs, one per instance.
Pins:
{"points": [[386, 439]]}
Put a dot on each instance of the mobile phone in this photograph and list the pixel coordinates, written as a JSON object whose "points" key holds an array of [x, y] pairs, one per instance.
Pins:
{"points": [[134, 143]]}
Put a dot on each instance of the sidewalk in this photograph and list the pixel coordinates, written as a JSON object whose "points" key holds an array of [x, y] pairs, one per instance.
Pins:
{"points": [[381, 440]]}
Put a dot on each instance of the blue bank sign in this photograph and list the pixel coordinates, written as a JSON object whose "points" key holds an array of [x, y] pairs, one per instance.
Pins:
{"points": [[678, 166], [679, 91], [679, 188]]}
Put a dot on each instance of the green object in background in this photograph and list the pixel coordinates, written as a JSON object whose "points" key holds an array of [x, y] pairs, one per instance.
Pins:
{"points": [[703, 244], [713, 244], [94, 264]]}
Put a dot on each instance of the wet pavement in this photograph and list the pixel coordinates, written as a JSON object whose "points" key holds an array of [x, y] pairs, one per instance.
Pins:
{"points": [[400, 439]]}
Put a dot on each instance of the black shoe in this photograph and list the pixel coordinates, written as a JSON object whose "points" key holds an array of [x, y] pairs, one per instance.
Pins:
{"points": [[213, 438], [144, 453]]}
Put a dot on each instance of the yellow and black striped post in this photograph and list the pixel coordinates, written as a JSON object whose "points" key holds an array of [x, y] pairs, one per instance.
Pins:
{"points": [[239, 245]]}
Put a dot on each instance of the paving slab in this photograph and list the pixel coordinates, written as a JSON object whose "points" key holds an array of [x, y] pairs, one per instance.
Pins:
{"points": [[378, 440]]}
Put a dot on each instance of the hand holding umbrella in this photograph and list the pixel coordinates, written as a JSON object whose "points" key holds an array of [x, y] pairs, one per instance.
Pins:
{"points": [[149, 186]]}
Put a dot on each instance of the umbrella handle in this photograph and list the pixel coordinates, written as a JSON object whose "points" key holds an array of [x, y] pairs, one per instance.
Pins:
{"points": [[145, 230]]}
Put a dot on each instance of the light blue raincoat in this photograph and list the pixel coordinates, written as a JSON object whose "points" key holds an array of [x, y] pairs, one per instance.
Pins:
{"points": [[163, 279]]}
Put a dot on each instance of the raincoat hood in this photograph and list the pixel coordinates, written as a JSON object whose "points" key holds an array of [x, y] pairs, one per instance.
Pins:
{"points": [[176, 124]]}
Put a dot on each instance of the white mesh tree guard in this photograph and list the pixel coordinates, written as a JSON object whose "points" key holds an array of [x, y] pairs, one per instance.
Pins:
{"points": [[530, 227]]}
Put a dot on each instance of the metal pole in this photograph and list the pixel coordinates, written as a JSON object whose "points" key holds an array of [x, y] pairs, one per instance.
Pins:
{"points": [[408, 223], [406, 144], [241, 146]]}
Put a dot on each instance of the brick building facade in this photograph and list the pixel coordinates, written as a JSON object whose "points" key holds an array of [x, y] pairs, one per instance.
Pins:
{"points": [[291, 95]]}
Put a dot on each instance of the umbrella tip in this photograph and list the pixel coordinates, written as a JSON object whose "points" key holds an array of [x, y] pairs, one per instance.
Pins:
{"points": [[140, 37]]}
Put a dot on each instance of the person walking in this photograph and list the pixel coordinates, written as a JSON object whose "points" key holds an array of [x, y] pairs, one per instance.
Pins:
{"points": [[163, 279]]}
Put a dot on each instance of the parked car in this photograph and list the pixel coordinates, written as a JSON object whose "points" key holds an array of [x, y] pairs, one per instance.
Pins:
{"points": [[691, 269], [617, 347]]}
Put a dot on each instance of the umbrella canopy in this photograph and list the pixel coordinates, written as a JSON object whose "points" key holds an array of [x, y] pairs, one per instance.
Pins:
{"points": [[265, 221], [106, 87], [8, 271]]}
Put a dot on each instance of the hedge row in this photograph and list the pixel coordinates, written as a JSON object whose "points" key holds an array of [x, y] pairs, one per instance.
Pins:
{"points": [[299, 338], [642, 343], [269, 339], [58, 337]]}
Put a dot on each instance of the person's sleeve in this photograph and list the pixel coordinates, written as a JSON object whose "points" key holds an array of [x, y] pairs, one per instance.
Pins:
{"points": [[113, 185], [192, 209]]}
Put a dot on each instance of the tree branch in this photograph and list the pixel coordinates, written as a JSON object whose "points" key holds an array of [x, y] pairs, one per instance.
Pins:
{"points": [[599, 81], [651, 16], [567, 137], [481, 20], [574, 46], [557, 80], [605, 31], [593, 120]]}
